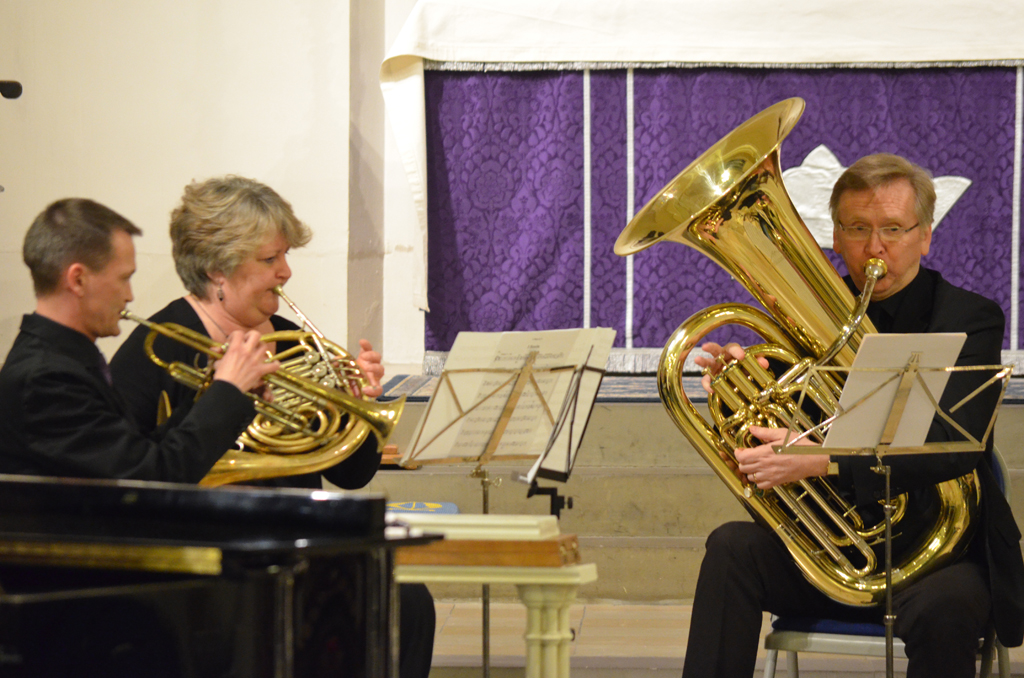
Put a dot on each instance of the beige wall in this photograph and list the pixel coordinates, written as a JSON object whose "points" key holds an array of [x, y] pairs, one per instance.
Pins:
{"points": [[366, 198], [403, 318], [126, 101]]}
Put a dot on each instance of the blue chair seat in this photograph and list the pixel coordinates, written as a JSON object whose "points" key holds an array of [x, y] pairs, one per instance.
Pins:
{"points": [[797, 634], [810, 625]]}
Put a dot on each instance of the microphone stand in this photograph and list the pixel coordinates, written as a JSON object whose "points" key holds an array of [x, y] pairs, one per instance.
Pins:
{"points": [[9, 89]]}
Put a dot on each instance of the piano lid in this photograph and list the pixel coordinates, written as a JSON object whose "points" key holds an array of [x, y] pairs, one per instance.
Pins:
{"points": [[234, 521]]}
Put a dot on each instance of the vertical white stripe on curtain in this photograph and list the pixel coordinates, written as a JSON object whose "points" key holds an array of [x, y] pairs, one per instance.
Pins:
{"points": [[630, 199], [631, 207], [586, 197], [1015, 240]]}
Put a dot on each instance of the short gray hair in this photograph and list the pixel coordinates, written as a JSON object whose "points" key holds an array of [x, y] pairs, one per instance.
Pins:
{"points": [[881, 169]]}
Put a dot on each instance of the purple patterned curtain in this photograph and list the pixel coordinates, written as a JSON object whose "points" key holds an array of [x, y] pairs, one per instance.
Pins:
{"points": [[506, 173]]}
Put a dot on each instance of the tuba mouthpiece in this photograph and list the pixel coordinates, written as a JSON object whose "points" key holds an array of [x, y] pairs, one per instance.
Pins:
{"points": [[875, 269]]}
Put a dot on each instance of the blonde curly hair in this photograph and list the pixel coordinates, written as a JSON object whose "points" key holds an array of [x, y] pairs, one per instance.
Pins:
{"points": [[223, 221]]}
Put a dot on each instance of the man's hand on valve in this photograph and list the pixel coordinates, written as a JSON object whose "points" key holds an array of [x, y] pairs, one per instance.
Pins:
{"points": [[765, 468], [720, 356]]}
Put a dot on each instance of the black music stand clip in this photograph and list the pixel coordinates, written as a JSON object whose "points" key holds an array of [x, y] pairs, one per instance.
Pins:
{"points": [[558, 501]]}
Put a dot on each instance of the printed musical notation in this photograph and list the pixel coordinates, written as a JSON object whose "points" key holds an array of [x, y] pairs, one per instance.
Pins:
{"points": [[501, 394]]}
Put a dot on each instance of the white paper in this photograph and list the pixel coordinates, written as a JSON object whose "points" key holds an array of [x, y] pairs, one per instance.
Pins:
{"points": [[466, 406], [862, 426]]}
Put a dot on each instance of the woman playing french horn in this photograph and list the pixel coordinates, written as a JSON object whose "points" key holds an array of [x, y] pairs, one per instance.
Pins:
{"points": [[230, 240]]}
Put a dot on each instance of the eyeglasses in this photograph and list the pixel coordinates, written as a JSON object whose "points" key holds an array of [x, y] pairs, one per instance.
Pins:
{"points": [[889, 234]]}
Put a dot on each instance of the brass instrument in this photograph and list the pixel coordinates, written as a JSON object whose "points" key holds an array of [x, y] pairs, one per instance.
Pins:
{"points": [[315, 418], [731, 205]]}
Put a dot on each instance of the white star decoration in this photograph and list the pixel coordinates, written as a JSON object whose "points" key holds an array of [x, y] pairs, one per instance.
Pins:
{"points": [[810, 186]]}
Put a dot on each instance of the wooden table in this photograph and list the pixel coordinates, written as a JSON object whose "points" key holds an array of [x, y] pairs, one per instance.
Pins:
{"points": [[547, 578]]}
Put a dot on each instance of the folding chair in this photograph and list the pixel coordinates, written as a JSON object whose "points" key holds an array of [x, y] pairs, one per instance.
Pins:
{"points": [[793, 635]]}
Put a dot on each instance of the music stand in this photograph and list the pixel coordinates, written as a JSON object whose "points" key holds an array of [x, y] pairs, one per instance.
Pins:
{"points": [[886, 408], [497, 398], [559, 456], [514, 396]]}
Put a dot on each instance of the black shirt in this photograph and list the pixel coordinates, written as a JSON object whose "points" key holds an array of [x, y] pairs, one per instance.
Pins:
{"points": [[62, 417], [905, 311], [140, 381]]}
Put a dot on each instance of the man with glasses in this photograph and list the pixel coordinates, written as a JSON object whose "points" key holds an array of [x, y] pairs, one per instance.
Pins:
{"points": [[882, 207]]}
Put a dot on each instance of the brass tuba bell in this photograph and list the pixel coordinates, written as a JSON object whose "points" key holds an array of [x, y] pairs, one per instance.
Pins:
{"points": [[316, 417], [731, 205]]}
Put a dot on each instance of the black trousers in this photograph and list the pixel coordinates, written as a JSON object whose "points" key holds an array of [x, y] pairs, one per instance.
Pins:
{"points": [[747, 571], [416, 623]]}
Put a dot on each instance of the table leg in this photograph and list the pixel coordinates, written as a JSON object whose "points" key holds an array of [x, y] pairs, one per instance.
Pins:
{"points": [[548, 634]]}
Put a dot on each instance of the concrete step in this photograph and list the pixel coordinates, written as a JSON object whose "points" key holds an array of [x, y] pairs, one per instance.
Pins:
{"points": [[618, 434], [643, 499], [644, 529], [643, 502], [641, 434], [607, 502]]}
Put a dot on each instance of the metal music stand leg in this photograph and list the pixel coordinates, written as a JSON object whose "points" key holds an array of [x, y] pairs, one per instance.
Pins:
{"points": [[485, 594], [890, 618], [284, 617]]}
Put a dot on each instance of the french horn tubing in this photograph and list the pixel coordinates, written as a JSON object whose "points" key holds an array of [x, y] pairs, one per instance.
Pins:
{"points": [[315, 418], [731, 205]]}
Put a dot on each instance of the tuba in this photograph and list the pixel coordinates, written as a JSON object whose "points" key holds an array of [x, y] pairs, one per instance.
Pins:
{"points": [[316, 416], [730, 204]]}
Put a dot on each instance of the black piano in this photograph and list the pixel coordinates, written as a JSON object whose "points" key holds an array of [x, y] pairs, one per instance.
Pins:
{"points": [[116, 578]]}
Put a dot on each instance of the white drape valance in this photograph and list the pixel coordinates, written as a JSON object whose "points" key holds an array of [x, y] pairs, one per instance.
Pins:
{"points": [[785, 32]]}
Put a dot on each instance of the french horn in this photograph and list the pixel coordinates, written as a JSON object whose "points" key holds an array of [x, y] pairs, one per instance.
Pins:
{"points": [[315, 416], [731, 205]]}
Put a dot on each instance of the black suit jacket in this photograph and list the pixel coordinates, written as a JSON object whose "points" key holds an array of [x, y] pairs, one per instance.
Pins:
{"points": [[62, 418], [1000, 531], [140, 381], [939, 306]]}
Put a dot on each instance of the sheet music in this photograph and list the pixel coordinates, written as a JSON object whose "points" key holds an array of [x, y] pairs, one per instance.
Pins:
{"points": [[479, 377], [560, 453], [862, 426]]}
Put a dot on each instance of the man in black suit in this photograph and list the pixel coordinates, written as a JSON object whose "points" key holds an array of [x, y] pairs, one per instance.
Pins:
{"points": [[62, 415], [882, 207]]}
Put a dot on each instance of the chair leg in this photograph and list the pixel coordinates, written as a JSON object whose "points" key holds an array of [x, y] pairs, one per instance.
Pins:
{"points": [[770, 659], [987, 650], [791, 663], [1004, 660], [991, 649]]}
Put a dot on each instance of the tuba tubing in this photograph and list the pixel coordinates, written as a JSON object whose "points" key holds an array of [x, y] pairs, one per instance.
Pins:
{"points": [[730, 204]]}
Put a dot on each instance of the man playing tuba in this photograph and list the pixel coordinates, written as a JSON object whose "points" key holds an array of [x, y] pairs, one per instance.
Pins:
{"points": [[881, 207]]}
